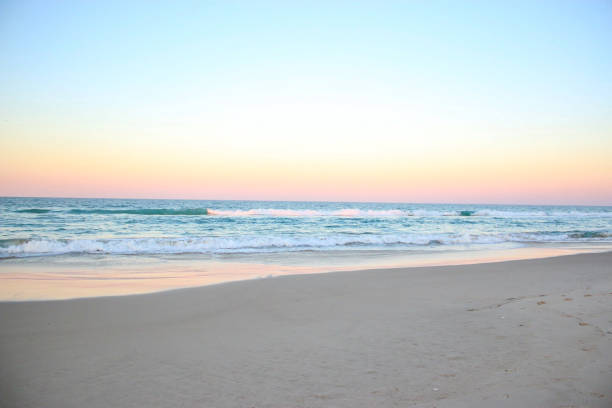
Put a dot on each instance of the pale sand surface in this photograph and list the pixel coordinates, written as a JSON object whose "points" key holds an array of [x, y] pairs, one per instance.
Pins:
{"points": [[531, 333]]}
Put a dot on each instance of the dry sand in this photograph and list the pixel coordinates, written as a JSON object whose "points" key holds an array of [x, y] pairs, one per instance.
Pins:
{"points": [[534, 333]]}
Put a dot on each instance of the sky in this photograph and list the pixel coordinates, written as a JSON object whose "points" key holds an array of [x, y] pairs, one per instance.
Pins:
{"points": [[409, 101]]}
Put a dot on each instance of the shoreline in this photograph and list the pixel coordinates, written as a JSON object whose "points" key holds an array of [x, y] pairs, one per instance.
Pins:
{"points": [[68, 277], [517, 333]]}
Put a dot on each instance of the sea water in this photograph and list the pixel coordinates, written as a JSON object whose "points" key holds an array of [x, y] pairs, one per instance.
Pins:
{"points": [[52, 226], [40, 231]]}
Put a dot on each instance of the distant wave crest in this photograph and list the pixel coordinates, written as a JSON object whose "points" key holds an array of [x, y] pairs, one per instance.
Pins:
{"points": [[34, 211], [357, 213], [275, 212], [343, 212], [144, 211]]}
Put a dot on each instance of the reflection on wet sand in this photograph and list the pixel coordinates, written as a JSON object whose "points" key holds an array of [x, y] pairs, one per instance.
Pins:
{"points": [[74, 277]]}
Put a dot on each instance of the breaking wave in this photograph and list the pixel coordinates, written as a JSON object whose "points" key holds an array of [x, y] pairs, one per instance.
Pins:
{"points": [[344, 212], [275, 243], [273, 212], [357, 213]]}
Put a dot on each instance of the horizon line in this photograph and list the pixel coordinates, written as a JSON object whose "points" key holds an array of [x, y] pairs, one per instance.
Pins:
{"points": [[308, 201]]}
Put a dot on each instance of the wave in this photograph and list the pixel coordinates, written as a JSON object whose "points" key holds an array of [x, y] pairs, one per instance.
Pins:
{"points": [[275, 243], [590, 234], [34, 211], [358, 213], [343, 212], [13, 242], [274, 212], [466, 213], [144, 211]]}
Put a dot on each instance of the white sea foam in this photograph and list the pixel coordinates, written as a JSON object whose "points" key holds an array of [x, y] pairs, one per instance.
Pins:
{"points": [[275, 243], [359, 213], [274, 212]]}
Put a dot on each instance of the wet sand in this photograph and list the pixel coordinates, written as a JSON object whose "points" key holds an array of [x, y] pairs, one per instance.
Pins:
{"points": [[70, 277], [530, 333]]}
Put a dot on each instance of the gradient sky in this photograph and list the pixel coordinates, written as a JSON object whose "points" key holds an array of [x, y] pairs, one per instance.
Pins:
{"points": [[412, 101]]}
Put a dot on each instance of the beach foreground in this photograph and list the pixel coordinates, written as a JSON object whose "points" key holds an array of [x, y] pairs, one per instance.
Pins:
{"points": [[532, 333]]}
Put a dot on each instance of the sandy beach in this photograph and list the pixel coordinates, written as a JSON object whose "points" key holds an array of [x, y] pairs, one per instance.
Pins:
{"points": [[531, 333]]}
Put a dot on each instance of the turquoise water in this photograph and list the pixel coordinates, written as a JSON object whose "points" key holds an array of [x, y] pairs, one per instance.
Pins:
{"points": [[45, 227]]}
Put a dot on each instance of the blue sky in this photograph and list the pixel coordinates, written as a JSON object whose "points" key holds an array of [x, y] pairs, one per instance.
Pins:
{"points": [[538, 53], [510, 74]]}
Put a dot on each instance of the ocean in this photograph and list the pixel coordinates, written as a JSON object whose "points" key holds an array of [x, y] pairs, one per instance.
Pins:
{"points": [[47, 232]]}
